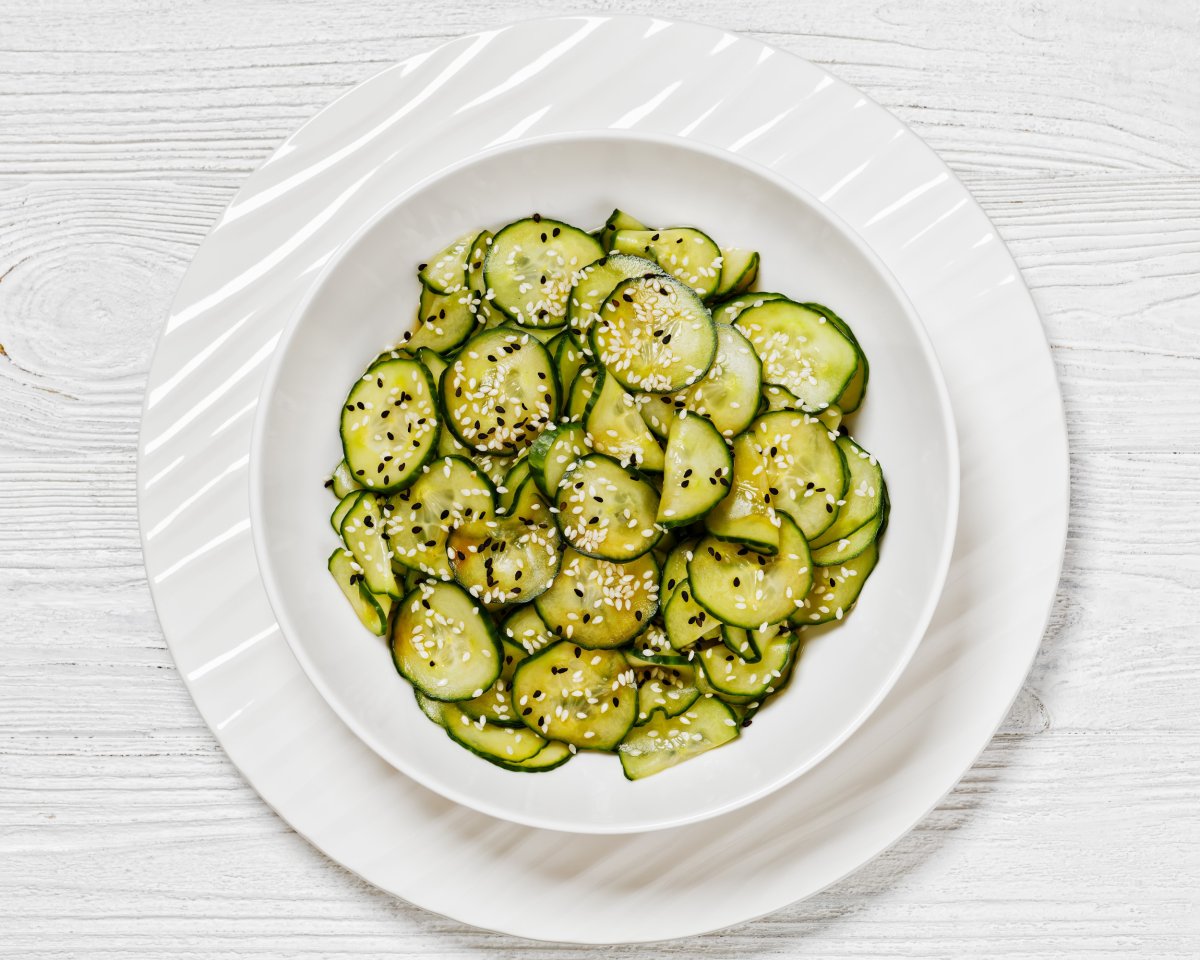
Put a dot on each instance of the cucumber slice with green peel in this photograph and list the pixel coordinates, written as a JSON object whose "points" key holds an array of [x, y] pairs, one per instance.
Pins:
{"points": [[852, 397], [730, 674], [616, 428], [668, 690], [510, 558], [370, 609], [836, 588], [552, 756], [850, 547], [746, 514], [674, 570], [398, 352], [449, 491], [664, 741], [510, 487], [583, 388], [500, 392], [494, 467], [530, 269], [492, 741], [606, 510], [831, 416], [390, 425], [686, 622], [746, 644], [444, 321], [685, 253], [495, 704], [801, 350], [596, 281], [431, 708], [554, 451], [740, 705], [803, 467], [448, 269], [587, 698], [728, 310], [617, 220], [526, 628], [363, 531], [652, 648], [433, 361], [443, 642], [600, 604], [654, 335], [343, 507], [342, 482], [739, 270], [480, 302], [569, 358], [696, 461], [744, 588], [780, 398], [863, 497]]}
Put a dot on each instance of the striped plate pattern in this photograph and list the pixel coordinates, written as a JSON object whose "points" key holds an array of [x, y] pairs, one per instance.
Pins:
{"points": [[556, 76]]}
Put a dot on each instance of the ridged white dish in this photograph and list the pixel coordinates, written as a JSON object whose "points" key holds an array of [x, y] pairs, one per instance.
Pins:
{"points": [[363, 301], [559, 76]]}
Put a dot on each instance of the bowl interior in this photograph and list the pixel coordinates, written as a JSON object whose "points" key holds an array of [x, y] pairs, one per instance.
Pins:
{"points": [[366, 298]]}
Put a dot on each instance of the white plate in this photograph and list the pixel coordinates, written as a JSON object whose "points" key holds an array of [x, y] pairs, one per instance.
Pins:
{"points": [[363, 302], [556, 76]]}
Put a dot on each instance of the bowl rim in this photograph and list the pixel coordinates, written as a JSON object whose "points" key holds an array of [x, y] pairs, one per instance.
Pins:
{"points": [[276, 593]]}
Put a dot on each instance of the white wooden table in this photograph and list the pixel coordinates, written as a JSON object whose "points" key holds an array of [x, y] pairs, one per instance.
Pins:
{"points": [[125, 127]]}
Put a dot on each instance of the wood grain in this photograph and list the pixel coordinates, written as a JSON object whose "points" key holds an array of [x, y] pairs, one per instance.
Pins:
{"points": [[124, 831]]}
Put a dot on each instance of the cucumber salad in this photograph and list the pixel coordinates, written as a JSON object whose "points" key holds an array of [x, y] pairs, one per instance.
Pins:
{"points": [[596, 496]]}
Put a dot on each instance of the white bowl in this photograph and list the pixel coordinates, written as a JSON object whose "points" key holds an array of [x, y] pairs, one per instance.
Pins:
{"points": [[366, 298]]}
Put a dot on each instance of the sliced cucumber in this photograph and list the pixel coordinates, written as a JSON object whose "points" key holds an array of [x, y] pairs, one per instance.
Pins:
{"points": [[781, 398], [448, 492], [495, 704], [500, 392], [431, 708], [510, 487], [669, 690], [444, 321], [654, 335], [739, 270], [600, 603], [744, 588], [746, 514], [526, 628], [804, 468], [569, 357], [728, 393], [554, 451], [617, 220], [729, 673], [863, 497], [850, 547], [836, 587], [666, 741], [686, 622], [481, 298], [390, 425], [652, 648], [596, 281], [616, 428], [552, 756], [606, 510], [530, 269], [492, 741], [583, 388], [494, 466], [674, 570], [343, 508], [446, 271], [510, 558], [444, 643], [363, 532], [684, 252], [342, 482], [371, 610], [587, 698], [727, 311], [696, 453], [801, 350], [746, 644], [852, 397]]}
